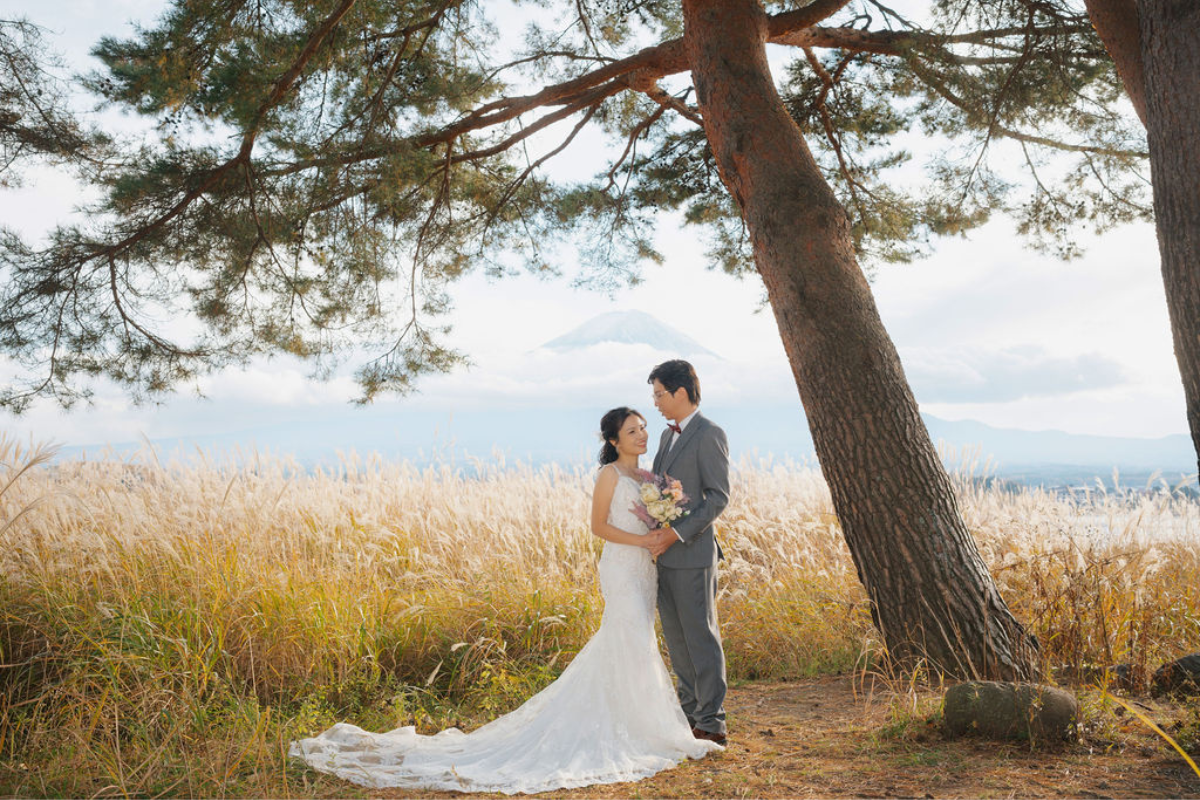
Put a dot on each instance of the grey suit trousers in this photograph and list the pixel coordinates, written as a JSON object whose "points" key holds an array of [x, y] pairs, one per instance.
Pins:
{"points": [[687, 606]]}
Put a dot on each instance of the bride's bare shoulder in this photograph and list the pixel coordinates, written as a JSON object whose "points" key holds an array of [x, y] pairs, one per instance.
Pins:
{"points": [[608, 475]]}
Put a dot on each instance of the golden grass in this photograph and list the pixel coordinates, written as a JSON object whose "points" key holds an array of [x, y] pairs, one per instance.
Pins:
{"points": [[168, 628]]}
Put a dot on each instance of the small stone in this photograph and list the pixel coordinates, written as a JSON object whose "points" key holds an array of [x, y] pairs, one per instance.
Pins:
{"points": [[999, 710], [1181, 676]]}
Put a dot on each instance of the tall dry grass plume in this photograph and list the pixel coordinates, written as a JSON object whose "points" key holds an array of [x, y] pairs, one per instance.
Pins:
{"points": [[168, 628]]}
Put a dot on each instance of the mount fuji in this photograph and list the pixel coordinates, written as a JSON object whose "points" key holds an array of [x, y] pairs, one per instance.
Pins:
{"points": [[629, 327]]}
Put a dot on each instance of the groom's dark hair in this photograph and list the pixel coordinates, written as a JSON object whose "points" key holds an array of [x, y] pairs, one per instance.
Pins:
{"points": [[676, 373]]}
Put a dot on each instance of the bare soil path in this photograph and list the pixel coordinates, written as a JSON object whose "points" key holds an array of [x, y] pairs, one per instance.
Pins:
{"points": [[838, 737]]}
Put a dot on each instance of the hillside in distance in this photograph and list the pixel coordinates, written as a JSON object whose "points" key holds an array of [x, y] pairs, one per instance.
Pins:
{"points": [[569, 436], [544, 406]]}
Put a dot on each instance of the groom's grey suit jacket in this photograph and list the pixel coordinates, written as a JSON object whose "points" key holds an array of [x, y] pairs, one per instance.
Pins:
{"points": [[699, 461]]}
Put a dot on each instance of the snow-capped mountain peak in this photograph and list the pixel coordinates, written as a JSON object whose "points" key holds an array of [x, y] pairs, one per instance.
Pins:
{"points": [[629, 327]]}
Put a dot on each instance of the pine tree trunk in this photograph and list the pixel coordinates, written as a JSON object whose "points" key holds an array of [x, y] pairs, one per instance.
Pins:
{"points": [[1116, 22], [1170, 34], [932, 596]]}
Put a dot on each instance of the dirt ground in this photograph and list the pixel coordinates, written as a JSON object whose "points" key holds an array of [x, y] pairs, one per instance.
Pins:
{"points": [[839, 737]]}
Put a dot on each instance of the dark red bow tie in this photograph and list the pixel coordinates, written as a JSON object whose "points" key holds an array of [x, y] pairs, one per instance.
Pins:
{"points": [[675, 428]]}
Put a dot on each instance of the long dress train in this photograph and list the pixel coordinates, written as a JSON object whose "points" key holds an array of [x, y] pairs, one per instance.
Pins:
{"points": [[611, 716]]}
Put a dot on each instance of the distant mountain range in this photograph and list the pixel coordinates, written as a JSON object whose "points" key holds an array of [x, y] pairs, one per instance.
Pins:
{"points": [[1049, 458], [317, 434], [1037, 458]]}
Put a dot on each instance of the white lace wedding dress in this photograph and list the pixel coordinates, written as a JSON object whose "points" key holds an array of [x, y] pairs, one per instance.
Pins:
{"points": [[611, 716]]}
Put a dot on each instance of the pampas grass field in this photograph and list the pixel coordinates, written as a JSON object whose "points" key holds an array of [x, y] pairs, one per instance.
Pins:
{"points": [[169, 628]]}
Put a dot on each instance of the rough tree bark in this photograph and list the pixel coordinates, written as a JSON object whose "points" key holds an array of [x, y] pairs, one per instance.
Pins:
{"points": [[1170, 35], [1162, 78], [932, 596], [1116, 22]]}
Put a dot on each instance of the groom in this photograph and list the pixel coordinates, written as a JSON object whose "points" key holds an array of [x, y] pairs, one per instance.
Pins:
{"points": [[693, 451]]}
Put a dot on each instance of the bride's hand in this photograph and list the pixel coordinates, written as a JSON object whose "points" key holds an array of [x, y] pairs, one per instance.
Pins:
{"points": [[659, 541]]}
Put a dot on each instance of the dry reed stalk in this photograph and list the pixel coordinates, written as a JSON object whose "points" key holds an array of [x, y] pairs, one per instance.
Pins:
{"points": [[148, 603]]}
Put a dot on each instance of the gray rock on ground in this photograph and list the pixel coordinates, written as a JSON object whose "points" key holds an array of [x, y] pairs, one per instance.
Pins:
{"points": [[1130, 678], [999, 710], [1181, 676]]}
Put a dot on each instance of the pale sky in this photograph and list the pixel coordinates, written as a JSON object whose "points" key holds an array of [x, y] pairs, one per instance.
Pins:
{"points": [[986, 329]]}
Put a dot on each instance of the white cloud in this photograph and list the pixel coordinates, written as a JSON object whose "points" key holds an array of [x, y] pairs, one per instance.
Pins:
{"points": [[975, 375], [276, 383], [1130, 410], [606, 374]]}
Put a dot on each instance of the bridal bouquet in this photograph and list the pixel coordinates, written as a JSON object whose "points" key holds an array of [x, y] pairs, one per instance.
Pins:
{"points": [[661, 501]]}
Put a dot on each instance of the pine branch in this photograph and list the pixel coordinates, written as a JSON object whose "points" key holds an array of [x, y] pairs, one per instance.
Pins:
{"points": [[939, 86]]}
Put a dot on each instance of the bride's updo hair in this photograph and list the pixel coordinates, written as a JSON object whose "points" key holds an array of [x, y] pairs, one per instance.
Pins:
{"points": [[610, 430]]}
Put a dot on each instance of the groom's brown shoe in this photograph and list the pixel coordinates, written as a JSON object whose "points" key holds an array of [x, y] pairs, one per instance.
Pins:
{"points": [[719, 738]]}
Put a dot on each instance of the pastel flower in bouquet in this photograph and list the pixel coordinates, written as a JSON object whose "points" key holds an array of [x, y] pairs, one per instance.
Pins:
{"points": [[661, 500]]}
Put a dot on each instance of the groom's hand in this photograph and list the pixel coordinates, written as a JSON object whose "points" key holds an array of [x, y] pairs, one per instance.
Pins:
{"points": [[662, 539]]}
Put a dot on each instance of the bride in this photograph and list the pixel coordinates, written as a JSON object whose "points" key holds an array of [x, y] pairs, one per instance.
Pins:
{"points": [[611, 716]]}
